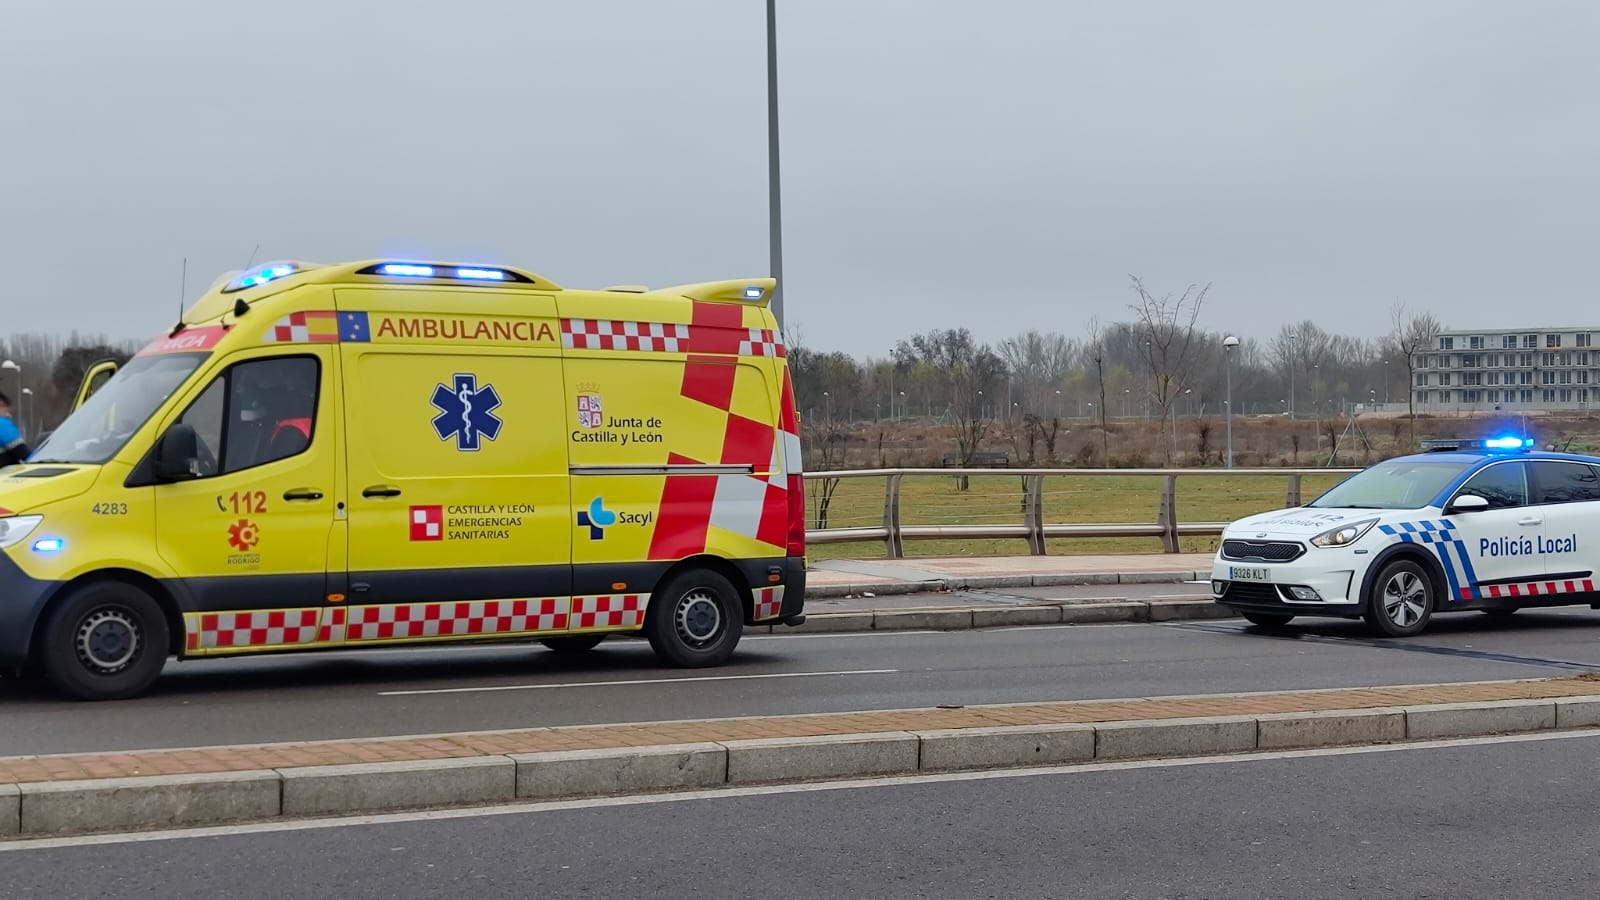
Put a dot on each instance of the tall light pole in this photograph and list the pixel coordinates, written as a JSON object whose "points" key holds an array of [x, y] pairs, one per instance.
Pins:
{"points": [[1292, 336], [29, 411], [1228, 343], [774, 207]]}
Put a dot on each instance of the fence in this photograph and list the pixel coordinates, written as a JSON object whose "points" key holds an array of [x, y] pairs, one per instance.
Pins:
{"points": [[1033, 527]]}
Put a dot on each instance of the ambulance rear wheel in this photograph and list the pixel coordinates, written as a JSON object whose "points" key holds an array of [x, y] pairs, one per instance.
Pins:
{"points": [[1402, 600], [578, 643], [694, 620], [105, 641]]}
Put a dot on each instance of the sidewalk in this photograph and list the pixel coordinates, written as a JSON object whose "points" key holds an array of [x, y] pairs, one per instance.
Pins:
{"points": [[86, 792], [954, 594]]}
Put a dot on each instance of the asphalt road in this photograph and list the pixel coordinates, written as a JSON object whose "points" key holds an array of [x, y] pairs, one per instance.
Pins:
{"points": [[433, 690], [1473, 819]]}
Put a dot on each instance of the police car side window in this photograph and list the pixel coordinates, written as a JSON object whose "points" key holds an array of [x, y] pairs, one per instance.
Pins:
{"points": [[1563, 482], [1505, 486]]}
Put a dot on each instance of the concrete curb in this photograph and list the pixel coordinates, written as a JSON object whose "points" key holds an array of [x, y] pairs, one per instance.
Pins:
{"points": [[962, 618], [981, 582], [120, 804]]}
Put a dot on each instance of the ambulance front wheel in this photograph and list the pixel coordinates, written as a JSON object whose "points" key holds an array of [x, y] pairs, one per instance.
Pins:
{"points": [[694, 620], [104, 641], [1402, 600]]}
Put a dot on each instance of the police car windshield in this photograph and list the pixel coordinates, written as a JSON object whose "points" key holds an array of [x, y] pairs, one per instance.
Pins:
{"points": [[99, 428], [1396, 484]]}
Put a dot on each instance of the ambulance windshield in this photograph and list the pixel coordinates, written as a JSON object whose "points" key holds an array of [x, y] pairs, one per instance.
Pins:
{"points": [[99, 428], [1397, 484]]}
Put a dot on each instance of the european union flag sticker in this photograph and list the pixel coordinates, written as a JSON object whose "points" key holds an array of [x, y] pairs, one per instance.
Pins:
{"points": [[354, 329]]}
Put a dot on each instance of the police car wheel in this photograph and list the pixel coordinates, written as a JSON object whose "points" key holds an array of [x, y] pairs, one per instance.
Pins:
{"points": [[105, 641], [1402, 600], [695, 620], [578, 643], [1267, 620]]}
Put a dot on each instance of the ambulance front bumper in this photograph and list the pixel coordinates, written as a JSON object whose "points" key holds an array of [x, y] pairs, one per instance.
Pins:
{"points": [[22, 599], [1320, 582]]}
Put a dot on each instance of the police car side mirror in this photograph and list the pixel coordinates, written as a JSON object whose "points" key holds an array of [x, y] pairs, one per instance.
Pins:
{"points": [[178, 454], [1469, 503]]}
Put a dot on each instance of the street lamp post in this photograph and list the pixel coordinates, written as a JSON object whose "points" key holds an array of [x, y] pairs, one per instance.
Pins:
{"points": [[29, 410], [1228, 343], [774, 207], [1292, 336]]}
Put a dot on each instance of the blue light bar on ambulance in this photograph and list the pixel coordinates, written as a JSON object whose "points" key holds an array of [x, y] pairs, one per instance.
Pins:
{"points": [[752, 293], [1497, 443], [261, 275], [444, 271]]}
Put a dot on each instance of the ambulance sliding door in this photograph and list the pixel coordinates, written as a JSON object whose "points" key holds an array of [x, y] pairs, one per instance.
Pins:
{"points": [[459, 513]]}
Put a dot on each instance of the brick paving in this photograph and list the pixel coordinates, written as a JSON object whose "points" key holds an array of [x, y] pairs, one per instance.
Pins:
{"points": [[67, 767]]}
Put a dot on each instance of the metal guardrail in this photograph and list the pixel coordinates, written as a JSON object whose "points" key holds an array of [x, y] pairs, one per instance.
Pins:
{"points": [[1033, 528]]}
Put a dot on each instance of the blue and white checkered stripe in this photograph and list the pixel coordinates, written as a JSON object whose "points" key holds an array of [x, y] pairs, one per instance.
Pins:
{"points": [[1443, 539]]}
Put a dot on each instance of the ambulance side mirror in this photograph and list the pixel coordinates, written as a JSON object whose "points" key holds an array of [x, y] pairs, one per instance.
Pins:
{"points": [[178, 454], [1467, 503]]}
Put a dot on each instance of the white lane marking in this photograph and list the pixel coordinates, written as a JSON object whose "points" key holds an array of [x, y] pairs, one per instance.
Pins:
{"points": [[631, 681], [24, 844]]}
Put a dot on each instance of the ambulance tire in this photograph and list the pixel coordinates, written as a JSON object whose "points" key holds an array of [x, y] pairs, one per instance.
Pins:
{"points": [[694, 620], [578, 643], [105, 641], [1402, 600]]}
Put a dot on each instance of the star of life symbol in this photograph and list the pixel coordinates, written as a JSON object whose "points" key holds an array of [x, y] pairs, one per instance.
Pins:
{"points": [[466, 412]]}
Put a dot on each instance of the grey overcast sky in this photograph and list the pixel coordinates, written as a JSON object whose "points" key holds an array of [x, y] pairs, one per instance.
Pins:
{"points": [[999, 165]]}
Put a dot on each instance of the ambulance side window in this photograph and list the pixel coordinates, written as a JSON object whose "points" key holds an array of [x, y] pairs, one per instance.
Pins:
{"points": [[254, 413], [1563, 482], [1505, 486]]}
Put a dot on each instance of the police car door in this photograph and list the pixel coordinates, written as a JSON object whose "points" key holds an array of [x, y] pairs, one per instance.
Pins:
{"points": [[1497, 545], [1567, 497]]}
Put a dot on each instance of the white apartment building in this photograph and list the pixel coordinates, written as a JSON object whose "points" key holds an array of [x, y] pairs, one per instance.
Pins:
{"points": [[1547, 368]]}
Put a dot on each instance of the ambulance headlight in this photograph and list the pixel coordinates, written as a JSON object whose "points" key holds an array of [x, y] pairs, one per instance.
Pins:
{"points": [[1344, 534], [14, 529]]}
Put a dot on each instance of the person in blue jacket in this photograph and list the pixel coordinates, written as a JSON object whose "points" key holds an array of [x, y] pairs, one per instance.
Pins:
{"points": [[13, 449]]}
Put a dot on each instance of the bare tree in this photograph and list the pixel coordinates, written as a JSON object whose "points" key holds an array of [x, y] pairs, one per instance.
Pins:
{"points": [[1412, 335], [1167, 335], [1096, 351]]}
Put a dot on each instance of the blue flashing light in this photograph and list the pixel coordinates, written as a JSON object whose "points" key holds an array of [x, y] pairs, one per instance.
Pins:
{"points": [[481, 274], [412, 271], [48, 545], [753, 293], [1508, 443], [261, 275]]}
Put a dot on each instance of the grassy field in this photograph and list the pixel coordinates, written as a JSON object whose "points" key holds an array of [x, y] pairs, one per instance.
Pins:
{"points": [[997, 499]]}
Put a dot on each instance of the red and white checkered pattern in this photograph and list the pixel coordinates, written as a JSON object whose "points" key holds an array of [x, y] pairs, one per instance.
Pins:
{"points": [[381, 622], [267, 628], [620, 611], [769, 602], [603, 334], [762, 342], [1527, 589], [305, 327]]}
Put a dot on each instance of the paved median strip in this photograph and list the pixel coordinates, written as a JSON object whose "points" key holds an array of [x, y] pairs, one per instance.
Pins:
{"points": [[1043, 612], [86, 793]]}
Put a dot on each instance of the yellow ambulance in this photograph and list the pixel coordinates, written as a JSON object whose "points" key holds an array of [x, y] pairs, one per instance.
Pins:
{"points": [[388, 452]]}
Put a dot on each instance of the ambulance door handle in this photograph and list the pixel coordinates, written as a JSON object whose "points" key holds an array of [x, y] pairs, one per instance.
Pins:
{"points": [[302, 494], [381, 490]]}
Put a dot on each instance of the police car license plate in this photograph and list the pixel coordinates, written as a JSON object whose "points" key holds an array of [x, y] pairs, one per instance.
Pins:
{"points": [[1249, 573]]}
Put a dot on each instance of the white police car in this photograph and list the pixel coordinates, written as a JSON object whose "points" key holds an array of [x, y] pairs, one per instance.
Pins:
{"points": [[1465, 525]]}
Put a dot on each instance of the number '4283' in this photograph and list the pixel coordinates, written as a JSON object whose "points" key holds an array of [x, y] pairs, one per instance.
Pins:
{"points": [[110, 509]]}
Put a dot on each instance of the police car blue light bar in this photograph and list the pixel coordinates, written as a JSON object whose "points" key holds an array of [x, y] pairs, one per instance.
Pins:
{"points": [[1497, 443], [261, 275]]}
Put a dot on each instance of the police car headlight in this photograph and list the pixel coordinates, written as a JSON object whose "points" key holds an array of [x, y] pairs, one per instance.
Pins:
{"points": [[1344, 534], [14, 528]]}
